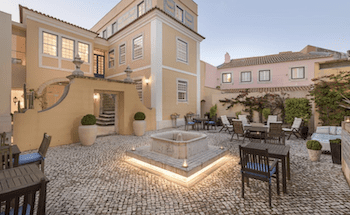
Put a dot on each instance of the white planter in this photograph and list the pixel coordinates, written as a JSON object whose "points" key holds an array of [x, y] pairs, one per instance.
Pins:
{"points": [[139, 127], [314, 154], [87, 134]]}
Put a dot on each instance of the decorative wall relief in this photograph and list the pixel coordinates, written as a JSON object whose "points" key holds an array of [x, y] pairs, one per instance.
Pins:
{"points": [[189, 20], [169, 7], [127, 18]]}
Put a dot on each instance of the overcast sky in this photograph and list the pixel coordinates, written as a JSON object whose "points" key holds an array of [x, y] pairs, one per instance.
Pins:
{"points": [[241, 28]]}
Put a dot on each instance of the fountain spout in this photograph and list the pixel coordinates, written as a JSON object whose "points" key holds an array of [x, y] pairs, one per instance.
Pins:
{"points": [[179, 137]]}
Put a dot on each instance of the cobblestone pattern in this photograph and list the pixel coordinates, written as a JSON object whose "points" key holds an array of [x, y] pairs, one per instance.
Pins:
{"points": [[96, 180]]}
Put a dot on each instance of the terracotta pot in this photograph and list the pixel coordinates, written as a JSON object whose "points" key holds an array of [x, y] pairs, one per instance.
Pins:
{"points": [[314, 154], [87, 134], [139, 127]]}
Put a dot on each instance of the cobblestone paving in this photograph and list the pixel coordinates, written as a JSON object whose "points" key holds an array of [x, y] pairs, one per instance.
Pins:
{"points": [[96, 180]]}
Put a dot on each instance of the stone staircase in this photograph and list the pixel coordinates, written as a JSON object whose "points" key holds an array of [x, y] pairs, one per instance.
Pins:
{"points": [[107, 118]]}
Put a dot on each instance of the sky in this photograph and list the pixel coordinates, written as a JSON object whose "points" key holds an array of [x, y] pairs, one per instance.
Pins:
{"points": [[241, 28]]}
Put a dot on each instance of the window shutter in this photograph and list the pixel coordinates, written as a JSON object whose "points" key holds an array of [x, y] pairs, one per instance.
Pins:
{"points": [[138, 47], [182, 50]]}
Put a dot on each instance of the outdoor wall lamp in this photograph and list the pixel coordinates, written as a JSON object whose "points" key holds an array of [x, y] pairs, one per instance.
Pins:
{"points": [[185, 164], [347, 118], [96, 96], [15, 100], [147, 81]]}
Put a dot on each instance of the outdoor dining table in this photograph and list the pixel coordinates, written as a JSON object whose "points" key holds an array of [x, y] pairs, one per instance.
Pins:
{"points": [[202, 120], [276, 151], [259, 128], [15, 155], [18, 178]]}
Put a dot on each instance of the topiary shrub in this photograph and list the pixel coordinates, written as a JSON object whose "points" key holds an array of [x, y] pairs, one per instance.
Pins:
{"points": [[139, 116], [266, 112], [213, 111], [88, 119], [313, 144], [336, 141]]}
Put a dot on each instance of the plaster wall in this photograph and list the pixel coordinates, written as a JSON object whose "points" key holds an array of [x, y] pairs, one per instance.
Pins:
{"points": [[212, 78], [62, 121]]}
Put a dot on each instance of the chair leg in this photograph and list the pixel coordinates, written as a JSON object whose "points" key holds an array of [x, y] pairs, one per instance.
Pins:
{"points": [[242, 185], [42, 165], [290, 135], [270, 194], [277, 179]]}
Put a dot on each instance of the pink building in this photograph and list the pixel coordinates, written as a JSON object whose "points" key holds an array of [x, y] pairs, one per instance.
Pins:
{"points": [[279, 70]]}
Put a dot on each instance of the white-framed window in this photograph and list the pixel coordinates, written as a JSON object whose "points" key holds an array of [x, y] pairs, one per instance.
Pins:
{"points": [[182, 50], [264, 75], [111, 58], [179, 13], [182, 90], [84, 51], [226, 77], [67, 48], [50, 44], [139, 88], [104, 34], [140, 9], [122, 54], [137, 45], [114, 27], [246, 76], [298, 73]]}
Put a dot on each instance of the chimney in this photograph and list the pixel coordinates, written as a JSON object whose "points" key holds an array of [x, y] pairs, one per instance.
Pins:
{"points": [[227, 58]]}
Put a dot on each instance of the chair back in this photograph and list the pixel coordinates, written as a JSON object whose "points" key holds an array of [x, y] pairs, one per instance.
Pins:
{"points": [[44, 145], [297, 123], [23, 201], [271, 118], [275, 129], [244, 119], [225, 120], [238, 127], [6, 160], [254, 161], [3, 139]]}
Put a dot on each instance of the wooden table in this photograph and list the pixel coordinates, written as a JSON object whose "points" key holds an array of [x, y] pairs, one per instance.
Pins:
{"points": [[203, 120], [279, 152], [14, 179], [15, 155], [258, 127]]}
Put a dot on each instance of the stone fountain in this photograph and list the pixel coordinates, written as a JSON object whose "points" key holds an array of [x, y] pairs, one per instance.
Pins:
{"points": [[182, 157]]}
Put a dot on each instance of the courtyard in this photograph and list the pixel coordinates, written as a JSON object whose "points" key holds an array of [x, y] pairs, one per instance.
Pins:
{"points": [[97, 180]]}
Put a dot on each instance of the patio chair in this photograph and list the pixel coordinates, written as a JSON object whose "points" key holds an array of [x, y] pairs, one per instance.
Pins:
{"points": [[226, 124], [255, 164], [239, 129], [211, 122], [275, 134], [271, 118], [6, 160], [244, 120], [39, 157], [189, 122], [198, 122], [23, 201], [295, 129], [3, 139]]}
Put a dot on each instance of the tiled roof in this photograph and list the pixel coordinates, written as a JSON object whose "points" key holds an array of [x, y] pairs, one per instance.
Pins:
{"points": [[268, 59], [269, 89], [21, 18]]}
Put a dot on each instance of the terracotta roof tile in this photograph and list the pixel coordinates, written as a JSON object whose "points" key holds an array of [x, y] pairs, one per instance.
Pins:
{"points": [[269, 89], [268, 59], [21, 18]]}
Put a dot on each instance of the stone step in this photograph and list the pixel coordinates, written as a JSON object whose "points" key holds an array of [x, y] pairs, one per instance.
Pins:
{"points": [[109, 112], [105, 123], [109, 119], [106, 116]]}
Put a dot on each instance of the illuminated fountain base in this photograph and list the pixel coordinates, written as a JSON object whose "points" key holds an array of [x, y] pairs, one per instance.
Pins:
{"points": [[165, 157]]}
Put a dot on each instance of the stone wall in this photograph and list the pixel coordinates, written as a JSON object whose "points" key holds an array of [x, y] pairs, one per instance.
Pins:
{"points": [[345, 149]]}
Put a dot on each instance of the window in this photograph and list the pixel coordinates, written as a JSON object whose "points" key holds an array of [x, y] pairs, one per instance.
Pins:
{"points": [[264, 75], [182, 91], [50, 44], [246, 76], [114, 27], [140, 9], [137, 47], [182, 51], [99, 64], [104, 34], [83, 51], [139, 88], [111, 59], [226, 77], [122, 51], [179, 13], [298, 73], [67, 48]]}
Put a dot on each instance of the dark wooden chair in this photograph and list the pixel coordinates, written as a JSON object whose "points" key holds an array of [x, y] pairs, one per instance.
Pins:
{"points": [[39, 157], [276, 134], [3, 139], [211, 122], [6, 160], [188, 122], [255, 164], [239, 130], [23, 201]]}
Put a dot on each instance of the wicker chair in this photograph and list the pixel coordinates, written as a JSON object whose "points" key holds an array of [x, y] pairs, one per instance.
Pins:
{"points": [[275, 134], [238, 129], [255, 164], [39, 157], [6, 160]]}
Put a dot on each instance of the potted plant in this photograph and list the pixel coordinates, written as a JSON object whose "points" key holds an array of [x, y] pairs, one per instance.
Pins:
{"points": [[88, 130], [213, 111], [139, 124], [238, 113], [266, 112], [336, 150], [314, 148]]}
